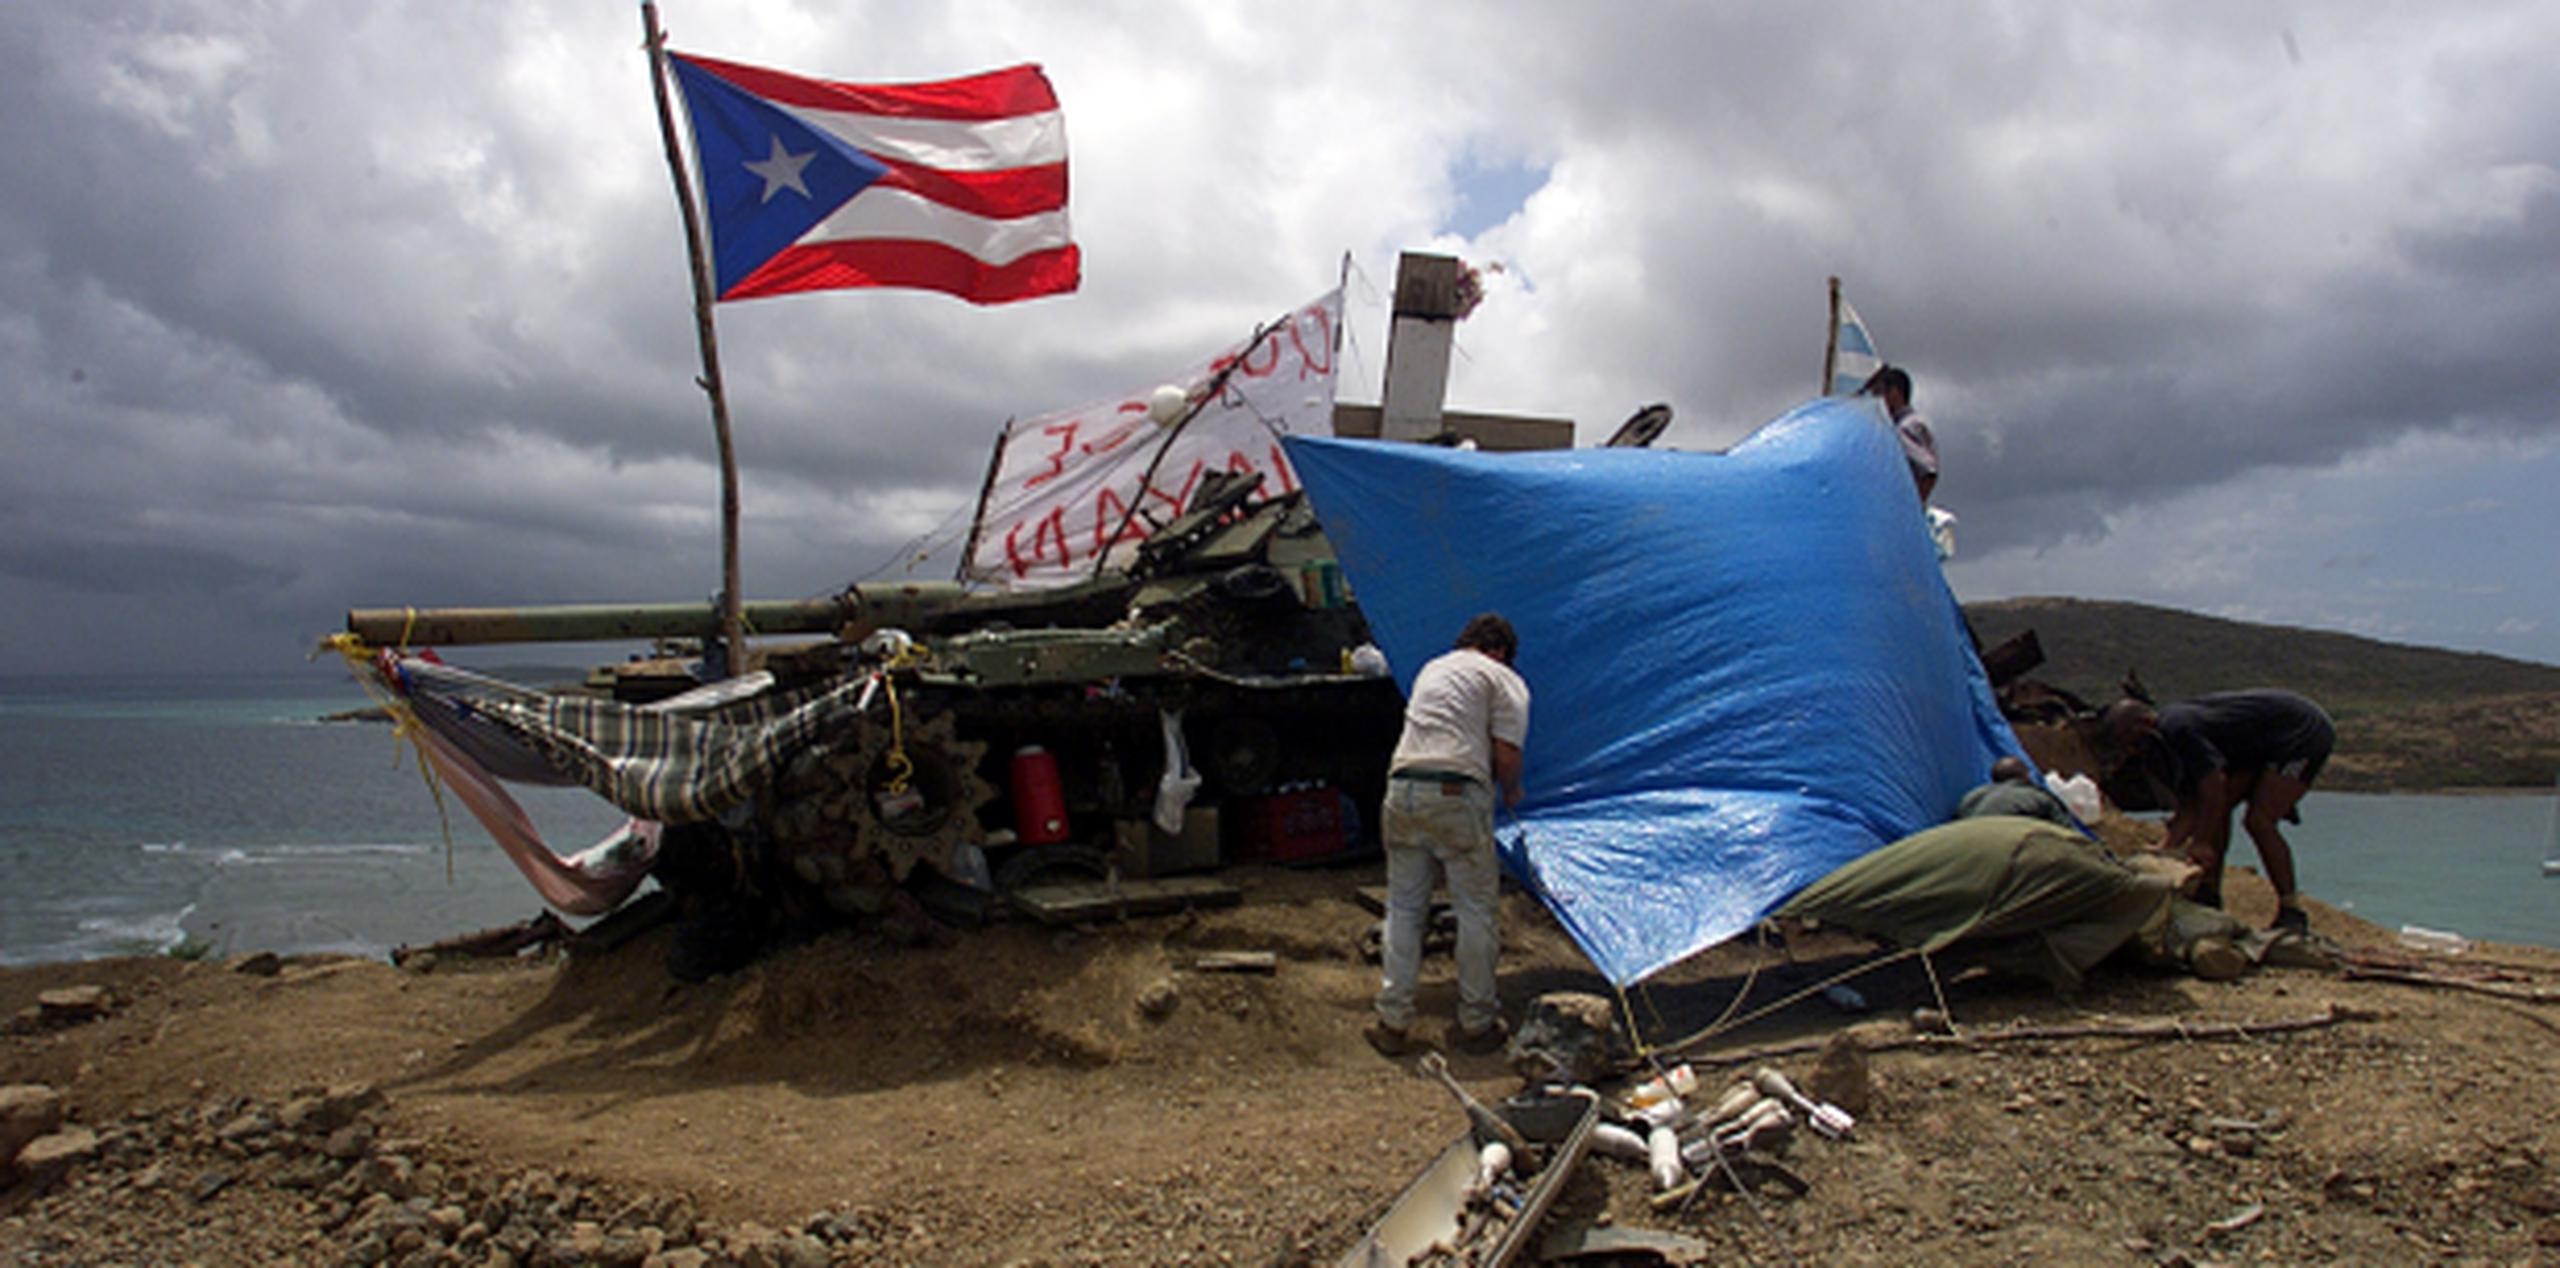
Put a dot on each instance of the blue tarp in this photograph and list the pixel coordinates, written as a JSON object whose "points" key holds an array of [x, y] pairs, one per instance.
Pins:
{"points": [[1746, 668]]}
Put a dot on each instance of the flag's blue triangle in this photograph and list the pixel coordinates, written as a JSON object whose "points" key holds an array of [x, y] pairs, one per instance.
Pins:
{"points": [[767, 178]]}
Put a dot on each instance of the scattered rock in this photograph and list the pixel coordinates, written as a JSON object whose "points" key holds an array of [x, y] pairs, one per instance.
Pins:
{"points": [[343, 1104], [1159, 999], [1571, 1035], [27, 1110], [259, 964], [72, 1005], [249, 1125], [48, 1158], [213, 1181], [1840, 1075]]}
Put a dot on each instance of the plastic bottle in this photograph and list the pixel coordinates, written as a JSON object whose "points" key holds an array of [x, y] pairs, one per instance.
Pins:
{"points": [[2433, 941], [1663, 1146], [1679, 1081]]}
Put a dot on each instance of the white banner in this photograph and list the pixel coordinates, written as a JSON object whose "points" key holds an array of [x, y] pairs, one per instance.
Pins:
{"points": [[1066, 484]]}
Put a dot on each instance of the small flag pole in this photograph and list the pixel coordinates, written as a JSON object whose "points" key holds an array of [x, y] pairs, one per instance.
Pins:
{"points": [[1831, 341], [986, 488], [732, 624]]}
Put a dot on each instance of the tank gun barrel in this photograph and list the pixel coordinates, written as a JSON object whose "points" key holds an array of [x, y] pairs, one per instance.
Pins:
{"points": [[918, 606], [586, 622]]}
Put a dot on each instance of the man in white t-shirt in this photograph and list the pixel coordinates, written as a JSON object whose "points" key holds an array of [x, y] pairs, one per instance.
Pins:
{"points": [[1463, 728]]}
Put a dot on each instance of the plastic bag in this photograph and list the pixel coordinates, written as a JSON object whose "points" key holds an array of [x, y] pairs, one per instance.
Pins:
{"points": [[1173, 792], [2079, 793], [1942, 532]]}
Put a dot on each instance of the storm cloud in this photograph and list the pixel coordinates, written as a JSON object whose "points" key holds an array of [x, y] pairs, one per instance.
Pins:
{"points": [[2233, 307]]}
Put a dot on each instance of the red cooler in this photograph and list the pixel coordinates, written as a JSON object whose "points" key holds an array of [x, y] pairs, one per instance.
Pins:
{"points": [[1039, 801]]}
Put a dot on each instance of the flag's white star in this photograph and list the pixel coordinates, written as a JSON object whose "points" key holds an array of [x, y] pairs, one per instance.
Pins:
{"points": [[781, 171]]}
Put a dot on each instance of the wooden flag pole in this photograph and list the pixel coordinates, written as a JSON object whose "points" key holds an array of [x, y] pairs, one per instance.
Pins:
{"points": [[1831, 341], [733, 644]]}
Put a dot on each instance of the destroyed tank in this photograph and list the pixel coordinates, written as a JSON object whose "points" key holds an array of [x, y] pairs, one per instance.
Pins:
{"points": [[1025, 736]]}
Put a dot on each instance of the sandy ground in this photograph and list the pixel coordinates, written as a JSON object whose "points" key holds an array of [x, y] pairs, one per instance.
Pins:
{"points": [[1007, 1099]]}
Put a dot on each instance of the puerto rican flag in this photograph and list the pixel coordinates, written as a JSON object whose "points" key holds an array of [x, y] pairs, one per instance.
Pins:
{"points": [[958, 186]]}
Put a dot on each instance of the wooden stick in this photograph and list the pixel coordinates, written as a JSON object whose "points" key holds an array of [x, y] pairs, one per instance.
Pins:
{"points": [[2536, 1018], [2162, 1029], [2503, 990], [1831, 340]]}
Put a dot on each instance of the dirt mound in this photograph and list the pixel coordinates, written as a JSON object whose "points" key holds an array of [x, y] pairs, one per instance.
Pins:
{"points": [[1087, 1095]]}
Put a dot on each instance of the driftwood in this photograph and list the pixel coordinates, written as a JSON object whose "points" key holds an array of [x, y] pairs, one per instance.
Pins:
{"points": [[2463, 964], [2167, 1028], [2536, 1018], [506, 940], [1264, 963], [628, 921], [2414, 977], [1070, 903]]}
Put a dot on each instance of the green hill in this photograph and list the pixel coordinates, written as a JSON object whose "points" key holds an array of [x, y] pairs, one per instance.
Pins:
{"points": [[2408, 717]]}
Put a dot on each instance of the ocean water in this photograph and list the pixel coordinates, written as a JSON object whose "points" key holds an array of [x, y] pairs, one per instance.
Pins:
{"points": [[2467, 863], [139, 812]]}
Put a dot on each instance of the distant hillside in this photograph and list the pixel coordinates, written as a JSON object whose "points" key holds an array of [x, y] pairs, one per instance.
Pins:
{"points": [[2408, 717]]}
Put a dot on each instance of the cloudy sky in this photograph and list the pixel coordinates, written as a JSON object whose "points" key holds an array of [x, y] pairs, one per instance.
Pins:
{"points": [[2238, 307]]}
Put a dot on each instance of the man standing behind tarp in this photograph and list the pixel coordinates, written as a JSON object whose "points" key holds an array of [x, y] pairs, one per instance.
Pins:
{"points": [[2260, 749], [1892, 385], [1463, 728]]}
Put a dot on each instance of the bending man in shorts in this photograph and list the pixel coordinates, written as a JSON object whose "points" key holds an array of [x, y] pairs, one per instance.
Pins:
{"points": [[2259, 749]]}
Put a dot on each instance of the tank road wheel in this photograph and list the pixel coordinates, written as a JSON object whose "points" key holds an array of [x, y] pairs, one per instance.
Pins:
{"points": [[848, 829], [1050, 865]]}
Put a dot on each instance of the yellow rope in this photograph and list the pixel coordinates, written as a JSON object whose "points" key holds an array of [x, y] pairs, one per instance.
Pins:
{"points": [[900, 765], [1645, 1051], [1938, 991], [360, 656], [1721, 1025]]}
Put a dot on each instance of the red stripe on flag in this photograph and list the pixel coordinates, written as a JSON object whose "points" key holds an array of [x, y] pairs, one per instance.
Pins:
{"points": [[928, 266], [1004, 194], [996, 94]]}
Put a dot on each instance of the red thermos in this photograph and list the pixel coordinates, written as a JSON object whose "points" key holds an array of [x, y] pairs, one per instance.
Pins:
{"points": [[1039, 802]]}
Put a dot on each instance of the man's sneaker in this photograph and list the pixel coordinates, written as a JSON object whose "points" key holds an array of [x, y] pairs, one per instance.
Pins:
{"points": [[2216, 960], [1390, 1041], [2291, 917], [1489, 1039]]}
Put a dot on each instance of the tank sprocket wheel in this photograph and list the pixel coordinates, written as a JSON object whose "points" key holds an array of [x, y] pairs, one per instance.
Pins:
{"points": [[833, 829]]}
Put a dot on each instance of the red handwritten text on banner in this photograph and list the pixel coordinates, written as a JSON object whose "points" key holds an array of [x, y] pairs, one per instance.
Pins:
{"points": [[1092, 482]]}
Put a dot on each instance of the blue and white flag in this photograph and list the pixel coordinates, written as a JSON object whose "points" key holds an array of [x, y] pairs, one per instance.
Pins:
{"points": [[1854, 360]]}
